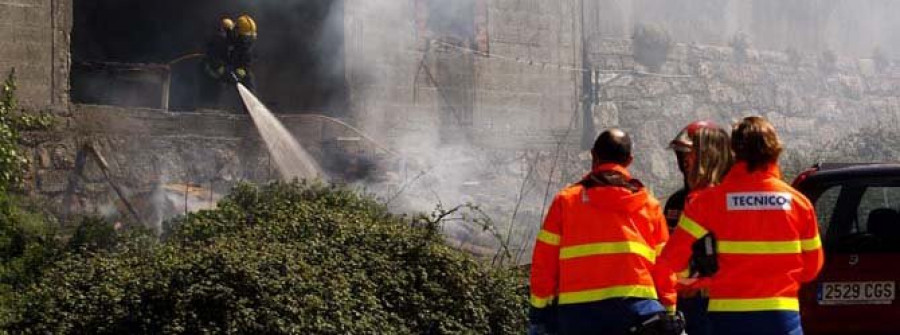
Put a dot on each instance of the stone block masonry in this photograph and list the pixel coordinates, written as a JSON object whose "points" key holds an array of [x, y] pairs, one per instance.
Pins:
{"points": [[36, 44], [808, 104]]}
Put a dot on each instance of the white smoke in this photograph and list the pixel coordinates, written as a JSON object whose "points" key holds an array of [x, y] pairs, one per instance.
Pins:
{"points": [[406, 98]]}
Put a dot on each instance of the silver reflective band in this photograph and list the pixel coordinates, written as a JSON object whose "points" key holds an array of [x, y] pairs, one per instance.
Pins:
{"points": [[759, 201]]}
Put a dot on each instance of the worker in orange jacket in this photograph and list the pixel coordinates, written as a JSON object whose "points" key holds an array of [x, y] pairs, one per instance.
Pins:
{"points": [[766, 235], [703, 152], [593, 265]]}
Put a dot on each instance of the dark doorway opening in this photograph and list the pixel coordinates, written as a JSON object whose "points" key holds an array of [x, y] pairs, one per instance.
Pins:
{"points": [[121, 47]]}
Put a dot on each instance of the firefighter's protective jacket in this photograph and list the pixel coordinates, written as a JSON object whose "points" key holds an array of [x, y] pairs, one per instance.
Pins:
{"points": [[226, 52], [599, 243], [768, 240]]}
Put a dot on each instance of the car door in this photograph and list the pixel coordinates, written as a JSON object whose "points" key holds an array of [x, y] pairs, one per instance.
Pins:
{"points": [[857, 289]]}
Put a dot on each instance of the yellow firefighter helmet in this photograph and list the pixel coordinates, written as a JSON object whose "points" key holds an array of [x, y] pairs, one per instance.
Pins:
{"points": [[227, 24], [246, 26]]}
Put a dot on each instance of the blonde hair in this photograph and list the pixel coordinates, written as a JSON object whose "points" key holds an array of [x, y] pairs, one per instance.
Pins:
{"points": [[713, 157]]}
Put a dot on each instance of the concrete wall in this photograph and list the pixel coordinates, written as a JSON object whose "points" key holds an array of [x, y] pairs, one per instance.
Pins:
{"points": [[36, 43], [382, 59], [537, 96], [523, 90]]}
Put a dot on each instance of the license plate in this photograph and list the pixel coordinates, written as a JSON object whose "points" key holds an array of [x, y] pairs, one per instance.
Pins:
{"points": [[857, 293]]}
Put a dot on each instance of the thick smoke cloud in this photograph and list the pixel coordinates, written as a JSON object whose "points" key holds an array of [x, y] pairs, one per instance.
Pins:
{"points": [[416, 95]]}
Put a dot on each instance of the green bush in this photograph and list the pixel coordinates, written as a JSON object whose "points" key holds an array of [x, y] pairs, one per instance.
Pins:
{"points": [[93, 235], [27, 238], [651, 45], [13, 122], [284, 259]]}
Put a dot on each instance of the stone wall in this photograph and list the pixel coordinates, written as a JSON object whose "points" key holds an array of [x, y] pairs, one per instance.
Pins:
{"points": [[850, 27], [519, 94], [809, 101], [36, 44], [152, 154]]}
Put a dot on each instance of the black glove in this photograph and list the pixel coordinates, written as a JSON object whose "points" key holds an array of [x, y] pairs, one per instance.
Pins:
{"points": [[704, 257], [660, 324], [674, 324], [233, 78]]}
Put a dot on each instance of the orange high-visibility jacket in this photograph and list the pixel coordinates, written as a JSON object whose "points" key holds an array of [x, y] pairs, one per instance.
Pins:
{"points": [[600, 243], [768, 240]]}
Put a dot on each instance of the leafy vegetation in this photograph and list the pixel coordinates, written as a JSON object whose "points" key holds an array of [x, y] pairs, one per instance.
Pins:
{"points": [[651, 45], [27, 242], [281, 258], [13, 160]]}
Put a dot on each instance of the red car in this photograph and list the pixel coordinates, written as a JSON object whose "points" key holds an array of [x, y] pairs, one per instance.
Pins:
{"points": [[858, 207]]}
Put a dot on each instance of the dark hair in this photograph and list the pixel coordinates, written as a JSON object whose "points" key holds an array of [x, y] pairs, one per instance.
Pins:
{"points": [[613, 146], [755, 142]]}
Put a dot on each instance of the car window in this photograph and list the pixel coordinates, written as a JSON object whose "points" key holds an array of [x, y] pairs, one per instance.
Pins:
{"points": [[883, 201], [825, 209], [859, 218]]}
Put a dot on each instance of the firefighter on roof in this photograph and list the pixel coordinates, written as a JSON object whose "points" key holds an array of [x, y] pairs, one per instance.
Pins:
{"points": [[228, 58]]}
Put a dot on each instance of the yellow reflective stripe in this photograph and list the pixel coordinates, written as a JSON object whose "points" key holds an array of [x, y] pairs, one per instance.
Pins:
{"points": [[659, 248], [750, 305], [759, 247], [811, 244], [548, 237], [670, 309], [607, 248], [691, 227], [539, 302], [636, 291]]}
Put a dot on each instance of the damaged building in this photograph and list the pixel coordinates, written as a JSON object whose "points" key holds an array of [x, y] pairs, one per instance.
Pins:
{"points": [[413, 85]]}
